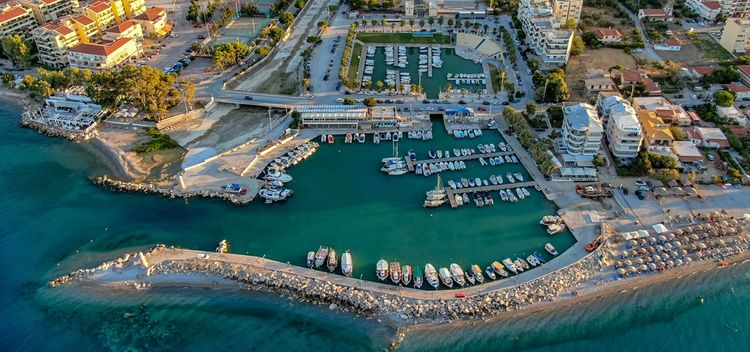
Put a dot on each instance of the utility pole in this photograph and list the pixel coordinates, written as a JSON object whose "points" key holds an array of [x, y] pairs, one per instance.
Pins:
{"points": [[269, 119]]}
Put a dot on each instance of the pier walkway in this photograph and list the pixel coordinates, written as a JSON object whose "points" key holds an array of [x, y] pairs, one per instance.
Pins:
{"points": [[411, 163], [452, 192]]}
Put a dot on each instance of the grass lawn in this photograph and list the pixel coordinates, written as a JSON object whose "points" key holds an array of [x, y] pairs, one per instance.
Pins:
{"points": [[709, 48], [402, 38], [354, 63]]}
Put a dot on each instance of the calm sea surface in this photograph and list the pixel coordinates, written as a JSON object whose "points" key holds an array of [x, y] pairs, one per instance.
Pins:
{"points": [[52, 220]]}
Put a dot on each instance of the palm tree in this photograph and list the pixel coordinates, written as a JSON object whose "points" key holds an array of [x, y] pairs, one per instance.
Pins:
{"points": [[411, 24], [374, 22], [450, 22], [463, 92], [402, 22], [431, 20], [486, 28], [447, 87], [440, 21], [382, 22], [421, 23]]}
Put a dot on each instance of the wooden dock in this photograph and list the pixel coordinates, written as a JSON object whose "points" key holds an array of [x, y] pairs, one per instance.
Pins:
{"points": [[410, 164], [452, 192]]}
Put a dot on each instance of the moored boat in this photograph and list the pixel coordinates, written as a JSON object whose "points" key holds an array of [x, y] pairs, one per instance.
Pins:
{"points": [[470, 276], [540, 257], [518, 266], [382, 269], [431, 275], [346, 264], [223, 246], [510, 265], [445, 277], [333, 261], [330, 138], [555, 228], [477, 273], [320, 256], [531, 259], [524, 264], [550, 248], [406, 274], [457, 274], [310, 259], [395, 270], [418, 276], [488, 270]]}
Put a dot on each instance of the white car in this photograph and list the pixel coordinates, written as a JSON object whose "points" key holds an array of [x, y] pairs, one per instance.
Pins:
{"points": [[694, 96], [339, 100]]}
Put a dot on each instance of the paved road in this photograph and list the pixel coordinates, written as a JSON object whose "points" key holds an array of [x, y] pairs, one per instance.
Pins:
{"points": [[648, 50]]}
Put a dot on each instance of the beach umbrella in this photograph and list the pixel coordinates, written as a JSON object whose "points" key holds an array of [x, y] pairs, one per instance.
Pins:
{"points": [[632, 269], [662, 238], [644, 267], [633, 243], [694, 237], [621, 271], [689, 260], [652, 266], [650, 249], [659, 248], [662, 264], [702, 245], [664, 256], [670, 263], [634, 253], [679, 231], [628, 262], [643, 242], [614, 252], [677, 244], [678, 262], [643, 251], [618, 264], [670, 236], [684, 252], [639, 260], [668, 246], [721, 243]]}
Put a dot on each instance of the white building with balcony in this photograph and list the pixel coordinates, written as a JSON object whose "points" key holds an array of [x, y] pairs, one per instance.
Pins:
{"points": [[582, 132], [543, 33], [623, 131]]}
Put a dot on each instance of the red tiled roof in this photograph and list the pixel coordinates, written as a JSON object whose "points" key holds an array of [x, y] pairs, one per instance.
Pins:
{"points": [[738, 130], [11, 14], [98, 6], [712, 5], [674, 42], [607, 32], [152, 14], [59, 28], [98, 49], [744, 69], [704, 70], [654, 12], [630, 77], [84, 20], [737, 88], [693, 116], [122, 27]]}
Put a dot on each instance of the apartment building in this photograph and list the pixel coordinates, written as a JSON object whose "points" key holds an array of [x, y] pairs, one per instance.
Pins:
{"points": [[582, 131], [154, 21], [85, 27], [543, 33], [623, 131], [656, 133], [53, 41], [735, 35], [706, 10], [16, 19], [102, 56], [567, 9], [50, 10], [664, 109], [735, 8], [101, 13], [127, 29]]}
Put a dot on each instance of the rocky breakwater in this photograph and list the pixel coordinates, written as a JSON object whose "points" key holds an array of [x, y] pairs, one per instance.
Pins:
{"points": [[125, 262], [166, 192]]}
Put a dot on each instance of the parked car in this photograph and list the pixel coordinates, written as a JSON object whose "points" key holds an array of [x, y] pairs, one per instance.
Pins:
{"points": [[247, 97], [485, 102], [462, 102]]}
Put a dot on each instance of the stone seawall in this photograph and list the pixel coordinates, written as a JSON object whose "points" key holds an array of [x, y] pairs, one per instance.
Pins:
{"points": [[46, 130], [354, 296], [166, 192]]}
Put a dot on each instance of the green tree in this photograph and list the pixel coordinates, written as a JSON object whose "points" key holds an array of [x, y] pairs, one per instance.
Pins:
{"points": [[379, 86], [440, 21], [531, 107], [553, 88], [678, 134], [411, 24], [231, 53], [276, 34], [349, 101], [187, 88], [724, 98], [286, 18], [450, 22], [598, 160], [447, 88], [300, 4], [431, 21], [369, 102], [9, 79], [569, 24], [18, 50], [421, 23], [576, 47]]}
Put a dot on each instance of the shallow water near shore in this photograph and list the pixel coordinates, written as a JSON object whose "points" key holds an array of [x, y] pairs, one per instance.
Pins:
{"points": [[50, 214]]}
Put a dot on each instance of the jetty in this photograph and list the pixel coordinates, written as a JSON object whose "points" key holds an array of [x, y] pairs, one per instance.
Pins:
{"points": [[452, 192], [411, 163]]}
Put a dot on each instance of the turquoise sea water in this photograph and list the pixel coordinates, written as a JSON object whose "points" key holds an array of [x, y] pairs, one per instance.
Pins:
{"points": [[50, 215]]}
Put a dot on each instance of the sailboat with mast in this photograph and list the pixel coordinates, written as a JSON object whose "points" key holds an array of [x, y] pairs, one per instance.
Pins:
{"points": [[437, 196]]}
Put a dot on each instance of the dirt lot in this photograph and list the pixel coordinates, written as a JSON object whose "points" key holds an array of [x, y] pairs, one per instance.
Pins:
{"points": [[604, 17], [697, 49], [590, 60]]}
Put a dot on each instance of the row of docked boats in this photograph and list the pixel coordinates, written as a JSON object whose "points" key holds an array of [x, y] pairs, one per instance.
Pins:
{"points": [[498, 160], [467, 78], [359, 137], [554, 224], [484, 198], [478, 182], [295, 156], [396, 56], [326, 257], [439, 154], [327, 138], [394, 166], [428, 169], [455, 274], [420, 135], [273, 189], [388, 136], [470, 133], [436, 196]]}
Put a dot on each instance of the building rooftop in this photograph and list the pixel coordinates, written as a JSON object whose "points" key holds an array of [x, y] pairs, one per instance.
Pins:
{"points": [[100, 49], [738, 130], [737, 87], [710, 133], [59, 28], [152, 14], [98, 6], [704, 70], [744, 69], [686, 151], [122, 27], [607, 32], [14, 10], [712, 5], [583, 117]]}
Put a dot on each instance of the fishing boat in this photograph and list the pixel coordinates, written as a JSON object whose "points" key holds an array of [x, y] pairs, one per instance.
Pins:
{"points": [[348, 138], [412, 155], [520, 194], [310, 259], [555, 228], [322, 138], [407, 275], [508, 159], [524, 264], [478, 182], [223, 246], [395, 270], [481, 148], [510, 265], [333, 261], [464, 182], [498, 269], [518, 176], [458, 199], [477, 271], [540, 257], [418, 276], [330, 138], [381, 269], [514, 159], [452, 184], [458, 274], [492, 161], [376, 138], [346, 264], [500, 179], [431, 275], [465, 197], [398, 172], [550, 248], [431, 154], [456, 152], [493, 179], [482, 161], [470, 276], [320, 256], [490, 273], [510, 178], [531, 259], [445, 277], [484, 182], [519, 266], [361, 138]]}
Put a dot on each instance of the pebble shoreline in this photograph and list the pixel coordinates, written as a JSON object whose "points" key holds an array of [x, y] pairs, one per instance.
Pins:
{"points": [[172, 193], [354, 299]]}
